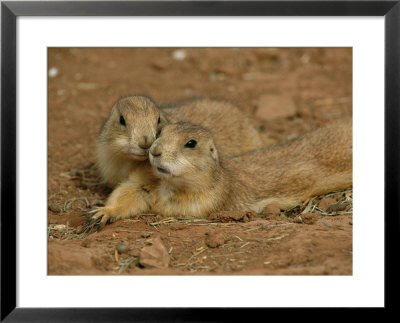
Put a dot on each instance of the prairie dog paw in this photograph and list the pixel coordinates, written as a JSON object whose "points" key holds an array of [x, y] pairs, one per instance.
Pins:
{"points": [[100, 216]]}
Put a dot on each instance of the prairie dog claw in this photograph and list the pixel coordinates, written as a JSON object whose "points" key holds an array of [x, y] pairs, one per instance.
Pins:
{"points": [[99, 217]]}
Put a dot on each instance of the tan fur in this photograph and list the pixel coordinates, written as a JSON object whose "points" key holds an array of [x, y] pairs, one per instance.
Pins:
{"points": [[123, 149], [118, 146], [316, 163], [194, 182]]}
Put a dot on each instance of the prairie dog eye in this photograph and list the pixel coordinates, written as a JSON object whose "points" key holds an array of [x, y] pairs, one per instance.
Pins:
{"points": [[191, 143], [122, 120], [159, 120]]}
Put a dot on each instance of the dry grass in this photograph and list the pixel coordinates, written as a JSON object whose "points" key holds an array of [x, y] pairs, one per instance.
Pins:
{"points": [[343, 205]]}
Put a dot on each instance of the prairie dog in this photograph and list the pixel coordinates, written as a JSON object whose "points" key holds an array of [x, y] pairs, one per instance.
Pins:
{"points": [[135, 121], [193, 180]]}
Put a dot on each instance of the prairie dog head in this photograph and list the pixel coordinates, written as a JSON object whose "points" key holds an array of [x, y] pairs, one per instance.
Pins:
{"points": [[184, 154], [131, 128]]}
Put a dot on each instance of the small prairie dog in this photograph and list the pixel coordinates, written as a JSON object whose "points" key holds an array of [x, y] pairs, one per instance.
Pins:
{"points": [[193, 180], [135, 121]]}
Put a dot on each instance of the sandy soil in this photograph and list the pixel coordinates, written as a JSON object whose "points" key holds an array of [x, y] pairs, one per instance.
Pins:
{"points": [[286, 92]]}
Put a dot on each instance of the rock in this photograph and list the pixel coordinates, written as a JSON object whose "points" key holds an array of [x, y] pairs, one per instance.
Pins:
{"points": [[122, 248], [274, 106], [272, 209], [232, 216], [325, 203], [154, 255], [214, 239], [53, 72], [179, 54], [309, 218], [336, 207]]}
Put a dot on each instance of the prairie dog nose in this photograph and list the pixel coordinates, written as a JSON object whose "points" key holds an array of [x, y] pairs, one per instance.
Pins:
{"points": [[155, 150], [144, 143]]}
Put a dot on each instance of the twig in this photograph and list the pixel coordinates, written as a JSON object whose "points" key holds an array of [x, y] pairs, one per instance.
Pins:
{"points": [[168, 220], [278, 238]]}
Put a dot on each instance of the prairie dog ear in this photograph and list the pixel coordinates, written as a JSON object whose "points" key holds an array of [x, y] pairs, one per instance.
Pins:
{"points": [[162, 121], [213, 151], [114, 110], [163, 118]]}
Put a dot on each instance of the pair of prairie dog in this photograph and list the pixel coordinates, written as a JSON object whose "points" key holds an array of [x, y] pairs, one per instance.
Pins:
{"points": [[188, 176], [134, 123]]}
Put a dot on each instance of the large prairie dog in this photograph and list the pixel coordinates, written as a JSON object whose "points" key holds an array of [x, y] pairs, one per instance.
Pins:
{"points": [[194, 180], [135, 121]]}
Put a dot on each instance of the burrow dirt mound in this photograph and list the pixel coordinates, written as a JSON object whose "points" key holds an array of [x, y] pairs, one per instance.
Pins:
{"points": [[286, 92]]}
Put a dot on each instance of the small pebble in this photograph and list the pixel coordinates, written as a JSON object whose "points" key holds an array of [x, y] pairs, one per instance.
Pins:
{"points": [[179, 54], [122, 248], [337, 207], [232, 216], [53, 72], [271, 209], [214, 239], [325, 203], [154, 255], [309, 218]]}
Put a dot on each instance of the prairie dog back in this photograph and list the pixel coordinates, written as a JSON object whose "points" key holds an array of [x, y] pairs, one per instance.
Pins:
{"points": [[231, 128]]}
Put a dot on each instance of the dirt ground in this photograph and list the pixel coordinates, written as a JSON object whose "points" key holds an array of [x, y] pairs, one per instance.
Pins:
{"points": [[286, 92]]}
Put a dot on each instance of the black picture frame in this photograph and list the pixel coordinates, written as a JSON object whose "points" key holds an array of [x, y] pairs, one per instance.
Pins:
{"points": [[10, 10]]}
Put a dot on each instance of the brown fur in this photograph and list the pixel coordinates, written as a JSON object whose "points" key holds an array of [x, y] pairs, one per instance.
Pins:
{"points": [[194, 182], [123, 149]]}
